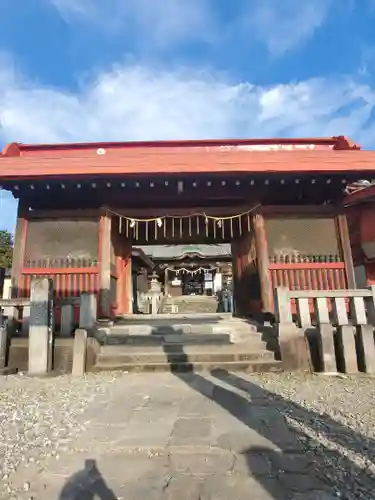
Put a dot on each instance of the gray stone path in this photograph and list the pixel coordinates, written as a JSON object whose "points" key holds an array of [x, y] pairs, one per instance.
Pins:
{"points": [[192, 437]]}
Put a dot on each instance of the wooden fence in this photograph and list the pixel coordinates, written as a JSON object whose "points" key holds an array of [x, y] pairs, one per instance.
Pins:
{"points": [[331, 331]]}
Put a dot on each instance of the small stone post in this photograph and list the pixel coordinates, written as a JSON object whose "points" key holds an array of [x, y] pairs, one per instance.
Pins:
{"points": [[365, 333], [40, 330], [326, 345], [79, 353], [87, 311], [294, 350], [346, 349]]}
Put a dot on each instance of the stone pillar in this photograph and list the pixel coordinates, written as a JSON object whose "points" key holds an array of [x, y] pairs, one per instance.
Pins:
{"points": [[40, 330], [263, 263], [25, 321], [67, 320], [326, 345], [3, 342], [87, 311], [105, 244], [294, 349]]}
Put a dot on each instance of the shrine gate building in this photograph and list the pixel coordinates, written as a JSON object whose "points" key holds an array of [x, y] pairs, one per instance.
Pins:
{"points": [[84, 208]]}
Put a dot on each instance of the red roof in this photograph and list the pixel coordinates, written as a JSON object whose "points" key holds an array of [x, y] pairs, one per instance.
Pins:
{"points": [[319, 155], [337, 142]]}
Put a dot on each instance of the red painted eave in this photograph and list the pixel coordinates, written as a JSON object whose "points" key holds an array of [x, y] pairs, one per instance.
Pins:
{"points": [[337, 143], [153, 161]]}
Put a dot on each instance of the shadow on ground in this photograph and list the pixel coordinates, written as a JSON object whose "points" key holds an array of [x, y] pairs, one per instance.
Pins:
{"points": [[300, 454], [298, 464], [87, 484], [286, 470]]}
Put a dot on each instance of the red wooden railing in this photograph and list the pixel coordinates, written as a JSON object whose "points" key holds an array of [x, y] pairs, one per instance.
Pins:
{"points": [[322, 272], [70, 278], [308, 273]]}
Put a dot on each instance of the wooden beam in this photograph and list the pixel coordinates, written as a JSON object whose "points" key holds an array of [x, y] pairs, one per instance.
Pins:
{"points": [[305, 211], [263, 263], [61, 214], [343, 233]]}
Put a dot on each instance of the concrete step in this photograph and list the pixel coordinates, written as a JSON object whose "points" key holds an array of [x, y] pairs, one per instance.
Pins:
{"points": [[188, 317], [183, 329], [183, 357], [120, 339], [181, 349], [183, 324], [190, 304], [185, 348], [163, 329], [259, 366]]}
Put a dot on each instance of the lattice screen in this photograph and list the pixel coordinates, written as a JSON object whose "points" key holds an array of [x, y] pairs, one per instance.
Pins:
{"points": [[302, 237], [62, 239]]}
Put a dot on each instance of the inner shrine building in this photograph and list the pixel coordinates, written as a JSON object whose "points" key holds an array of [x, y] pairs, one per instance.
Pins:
{"points": [[84, 209]]}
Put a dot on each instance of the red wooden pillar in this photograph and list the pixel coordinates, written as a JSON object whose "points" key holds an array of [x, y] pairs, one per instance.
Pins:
{"points": [[127, 282], [122, 248], [19, 250], [104, 257], [343, 230], [263, 263], [236, 276]]}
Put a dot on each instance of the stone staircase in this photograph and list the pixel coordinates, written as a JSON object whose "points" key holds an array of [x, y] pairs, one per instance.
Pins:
{"points": [[189, 304], [183, 343]]}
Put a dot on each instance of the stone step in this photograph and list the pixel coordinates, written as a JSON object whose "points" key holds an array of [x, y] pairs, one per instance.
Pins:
{"points": [[250, 346], [115, 339], [156, 357], [182, 329], [188, 317], [262, 366], [189, 304]]}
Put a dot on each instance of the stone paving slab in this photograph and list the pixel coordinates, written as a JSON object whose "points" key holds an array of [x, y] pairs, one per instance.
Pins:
{"points": [[169, 437]]}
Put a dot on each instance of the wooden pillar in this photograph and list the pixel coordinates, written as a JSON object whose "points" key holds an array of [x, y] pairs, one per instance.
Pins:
{"points": [[236, 249], [19, 249], [128, 280], [263, 263], [343, 230], [105, 265]]}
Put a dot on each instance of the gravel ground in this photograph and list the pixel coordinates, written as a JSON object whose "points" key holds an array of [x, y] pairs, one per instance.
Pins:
{"points": [[333, 417], [39, 418]]}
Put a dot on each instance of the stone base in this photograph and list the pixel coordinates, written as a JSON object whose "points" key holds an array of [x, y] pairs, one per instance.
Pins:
{"points": [[294, 348], [62, 358], [8, 371]]}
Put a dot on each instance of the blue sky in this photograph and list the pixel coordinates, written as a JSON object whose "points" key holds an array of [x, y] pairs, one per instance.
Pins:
{"points": [[81, 70]]}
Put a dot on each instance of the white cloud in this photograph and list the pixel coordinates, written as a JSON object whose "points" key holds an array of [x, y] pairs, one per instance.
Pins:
{"points": [[138, 102], [279, 24], [285, 24], [153, 23]]}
